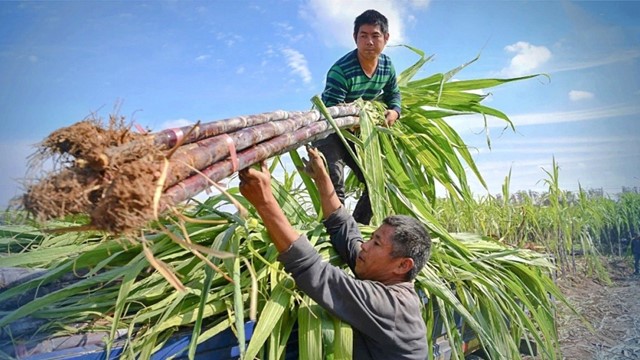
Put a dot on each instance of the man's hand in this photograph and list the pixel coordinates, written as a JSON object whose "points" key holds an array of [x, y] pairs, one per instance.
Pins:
{"points": [[315, 166], [390, 117], [255, 185]]}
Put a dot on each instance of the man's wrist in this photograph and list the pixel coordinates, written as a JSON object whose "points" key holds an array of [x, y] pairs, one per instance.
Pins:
{"points": [[267, 206]]}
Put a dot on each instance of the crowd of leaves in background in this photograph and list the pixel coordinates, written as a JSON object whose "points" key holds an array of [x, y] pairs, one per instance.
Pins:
{"points": [[565, 224]]}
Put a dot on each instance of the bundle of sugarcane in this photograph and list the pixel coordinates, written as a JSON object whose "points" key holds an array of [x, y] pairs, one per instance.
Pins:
{"points": [[122, 179]]}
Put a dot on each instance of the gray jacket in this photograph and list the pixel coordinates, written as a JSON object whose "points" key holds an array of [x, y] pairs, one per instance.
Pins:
{"points": [[386, 320]]}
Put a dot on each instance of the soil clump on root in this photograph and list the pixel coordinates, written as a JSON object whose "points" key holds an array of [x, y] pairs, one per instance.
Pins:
{"points": [[115, 188]]}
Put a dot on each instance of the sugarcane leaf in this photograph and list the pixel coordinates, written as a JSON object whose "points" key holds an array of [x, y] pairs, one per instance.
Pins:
{"points": [[310, 186], [42, 256], [371, 164], [310, 330], [129, 277], [53, 297], [343, 343], [274, 308], [412, 70]]}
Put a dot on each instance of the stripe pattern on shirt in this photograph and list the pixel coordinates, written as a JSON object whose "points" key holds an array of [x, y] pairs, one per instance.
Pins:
{"points": [[347, 82]]}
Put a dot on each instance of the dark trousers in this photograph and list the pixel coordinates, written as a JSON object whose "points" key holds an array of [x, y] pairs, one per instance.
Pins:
{"points": [[337, 157], [636, 263]]}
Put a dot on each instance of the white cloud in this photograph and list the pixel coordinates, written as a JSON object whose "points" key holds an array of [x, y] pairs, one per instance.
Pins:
{"points": [[257, 8], [298, 64], [606, 59], [578, 115], [577, 95], [572, 140], [284, 26], [287, 31], [228, 39], [612, 145], [527, 59], [240, 70], [33, 59], [333, 19], [202, 57], [475, 122], [420, 3]]}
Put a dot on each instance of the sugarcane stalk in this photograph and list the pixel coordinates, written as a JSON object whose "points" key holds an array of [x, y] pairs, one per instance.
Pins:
{"points": [[206, 152], [262, 151], [169, 138]]}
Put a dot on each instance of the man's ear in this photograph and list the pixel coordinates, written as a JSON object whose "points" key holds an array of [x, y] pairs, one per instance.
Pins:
{"points": [[386, 37], [405, 265], [355, 37]]}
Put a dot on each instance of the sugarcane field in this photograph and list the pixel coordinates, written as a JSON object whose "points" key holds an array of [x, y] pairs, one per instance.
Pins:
{"points": [[221, 238]]}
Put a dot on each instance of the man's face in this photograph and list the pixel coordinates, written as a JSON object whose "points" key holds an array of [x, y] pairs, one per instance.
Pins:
{"points": [[375, 261], [370, 41]]}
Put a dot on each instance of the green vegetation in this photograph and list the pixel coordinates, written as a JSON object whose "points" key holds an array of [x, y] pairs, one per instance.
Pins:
{"points": [[227, 264], [561, 223]]}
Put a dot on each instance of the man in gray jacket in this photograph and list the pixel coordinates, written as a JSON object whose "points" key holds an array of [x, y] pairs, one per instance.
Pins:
{"points": [[380, 303]]}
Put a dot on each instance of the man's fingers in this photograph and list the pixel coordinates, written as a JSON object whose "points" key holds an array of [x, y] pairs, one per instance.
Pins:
{"points": [[246, 175], [250, 171], [313, 152], [264, 167], [304, 167], [311, 149]]}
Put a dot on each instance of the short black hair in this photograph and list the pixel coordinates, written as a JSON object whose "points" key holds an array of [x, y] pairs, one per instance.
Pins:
{"points": [[410, 239], [371, 17]]}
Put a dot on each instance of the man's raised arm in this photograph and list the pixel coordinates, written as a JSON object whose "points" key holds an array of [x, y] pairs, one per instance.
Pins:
{"points": [[316, 170], [255, 186]]}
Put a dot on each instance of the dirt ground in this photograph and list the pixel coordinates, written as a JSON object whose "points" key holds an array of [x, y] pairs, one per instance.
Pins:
{"points": [[613, 311]]}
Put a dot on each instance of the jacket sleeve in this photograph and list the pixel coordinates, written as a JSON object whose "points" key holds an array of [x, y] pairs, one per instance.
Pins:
{"points": [[345, 236], [368, 306]]}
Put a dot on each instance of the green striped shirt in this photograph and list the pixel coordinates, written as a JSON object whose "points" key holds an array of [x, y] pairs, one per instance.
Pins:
{"points": [[346, 82]]}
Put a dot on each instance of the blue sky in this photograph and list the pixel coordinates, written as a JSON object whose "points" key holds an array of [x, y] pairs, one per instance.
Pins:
{"points": [[164, 63]]}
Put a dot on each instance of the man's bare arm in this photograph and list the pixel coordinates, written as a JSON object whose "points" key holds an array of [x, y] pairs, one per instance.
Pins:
{"points": [[316, 169]]}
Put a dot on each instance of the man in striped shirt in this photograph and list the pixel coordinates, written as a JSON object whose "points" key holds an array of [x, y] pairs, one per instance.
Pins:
{"points": [[364, 73]]}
